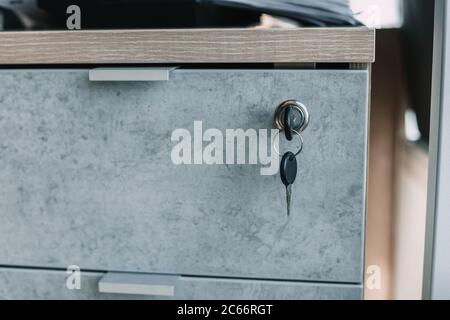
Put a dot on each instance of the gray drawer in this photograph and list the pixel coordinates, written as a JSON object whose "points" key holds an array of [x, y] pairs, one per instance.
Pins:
{"points": [[87, 176], [46, 284]]}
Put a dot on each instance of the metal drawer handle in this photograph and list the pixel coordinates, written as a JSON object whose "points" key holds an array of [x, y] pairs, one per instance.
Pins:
{"points": [[130, 74], [138, 283]]}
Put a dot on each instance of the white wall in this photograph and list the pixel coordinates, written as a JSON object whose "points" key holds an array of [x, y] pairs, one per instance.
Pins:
{"points": [[378, 13]]}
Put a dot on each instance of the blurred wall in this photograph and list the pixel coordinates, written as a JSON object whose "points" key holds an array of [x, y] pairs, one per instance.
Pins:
{"points": [[378, 13], [397, 185], [386, 107]]}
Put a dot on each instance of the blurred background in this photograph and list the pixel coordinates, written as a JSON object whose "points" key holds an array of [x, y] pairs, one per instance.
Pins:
{"points": [[400, 104], [399, 137]]}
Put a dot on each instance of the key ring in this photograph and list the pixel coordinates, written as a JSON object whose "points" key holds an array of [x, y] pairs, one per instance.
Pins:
{"points": [[298, 134]]}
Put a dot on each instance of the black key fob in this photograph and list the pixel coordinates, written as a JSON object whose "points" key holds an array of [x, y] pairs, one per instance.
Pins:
{"points": [[288, 168]]}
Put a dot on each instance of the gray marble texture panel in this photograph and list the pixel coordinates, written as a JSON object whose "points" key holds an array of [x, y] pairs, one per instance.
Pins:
{"points": [[86, 175]]}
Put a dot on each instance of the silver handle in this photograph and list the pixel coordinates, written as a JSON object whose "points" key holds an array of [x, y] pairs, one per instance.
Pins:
{"points": [[138, 283], [130, 74]]}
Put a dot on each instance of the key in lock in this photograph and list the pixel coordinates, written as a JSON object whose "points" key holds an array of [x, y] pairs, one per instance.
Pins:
{"points": [[295, 114], [292, 118]]}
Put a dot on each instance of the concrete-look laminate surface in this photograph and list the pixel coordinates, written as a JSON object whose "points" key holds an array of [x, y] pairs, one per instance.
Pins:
{"points": [[52, 284], [87, 176]]}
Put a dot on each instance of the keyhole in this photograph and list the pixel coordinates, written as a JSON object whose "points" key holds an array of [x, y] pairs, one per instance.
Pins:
{"points": [[297, 119], [299, 116]]}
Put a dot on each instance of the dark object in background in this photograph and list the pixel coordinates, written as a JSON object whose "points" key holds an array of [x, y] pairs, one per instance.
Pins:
{"points": [[418, 41], [108, 14], [319, 13], [132, 14], [9, 20], [208, 15]]}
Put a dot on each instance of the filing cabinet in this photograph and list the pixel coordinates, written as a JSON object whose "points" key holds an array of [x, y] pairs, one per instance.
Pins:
{"points": [[87, 179]]}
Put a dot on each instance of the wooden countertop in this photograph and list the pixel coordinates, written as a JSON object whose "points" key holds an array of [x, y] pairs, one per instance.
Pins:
{"points": [[302, 45]]}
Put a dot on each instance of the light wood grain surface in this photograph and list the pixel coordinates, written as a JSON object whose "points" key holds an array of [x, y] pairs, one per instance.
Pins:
{"points": [[353, 45]]}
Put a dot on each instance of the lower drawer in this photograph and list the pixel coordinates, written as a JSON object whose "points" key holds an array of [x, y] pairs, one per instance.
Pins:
{"points": [[50, 284]]}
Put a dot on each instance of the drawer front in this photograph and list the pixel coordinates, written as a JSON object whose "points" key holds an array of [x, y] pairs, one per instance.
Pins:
{"points": [[49, 284], [88, 179]]}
